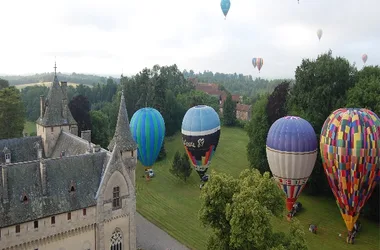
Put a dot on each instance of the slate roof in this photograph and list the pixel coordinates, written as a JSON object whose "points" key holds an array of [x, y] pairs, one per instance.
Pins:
{"points": [[123, 136], [84, 170], [54, 107], [71, 144], [22, 149]]}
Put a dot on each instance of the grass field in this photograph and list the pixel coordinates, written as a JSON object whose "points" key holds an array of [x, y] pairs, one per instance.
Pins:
{"points": [[29, 127], [173, 205], [47, 84]]}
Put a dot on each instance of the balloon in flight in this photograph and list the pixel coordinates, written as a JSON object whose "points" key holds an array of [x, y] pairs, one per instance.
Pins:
{"points": [[319, 34], [291, 149], [148, 130], [350, 150], [364, 58], [254, 62], [259, 63], [200, 136], [225, 5]]}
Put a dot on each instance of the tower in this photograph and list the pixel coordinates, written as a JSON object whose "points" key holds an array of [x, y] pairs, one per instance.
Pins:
{"points": [[124, 140], [55, 115]]}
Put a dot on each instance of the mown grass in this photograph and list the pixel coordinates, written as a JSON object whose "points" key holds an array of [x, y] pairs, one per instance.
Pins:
{"points": [[173, 205]]}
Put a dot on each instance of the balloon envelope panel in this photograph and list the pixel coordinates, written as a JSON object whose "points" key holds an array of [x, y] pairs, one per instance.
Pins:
{"points": [[225, 5], [200, 135], [148, 130], [291, 151], [350, 149]]}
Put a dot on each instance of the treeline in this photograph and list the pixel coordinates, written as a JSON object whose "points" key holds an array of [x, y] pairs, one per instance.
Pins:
{"points": [[47, 77], [321, 86], [239, 84]]}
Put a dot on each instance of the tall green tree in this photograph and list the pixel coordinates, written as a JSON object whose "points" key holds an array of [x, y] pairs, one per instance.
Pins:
{"points": [[257, 130], [12, 113], [80, 109], [239, 212], [229, 111], [99, 132], [3, 84], [276, 107], [181, 167], [320, 88]]}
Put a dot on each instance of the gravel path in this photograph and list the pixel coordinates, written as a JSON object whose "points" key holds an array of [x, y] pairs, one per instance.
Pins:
{"points": [[151, 237]]}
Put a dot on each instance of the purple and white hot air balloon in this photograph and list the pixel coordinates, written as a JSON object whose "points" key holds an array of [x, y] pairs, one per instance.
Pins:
{"points": [[291, 151]]}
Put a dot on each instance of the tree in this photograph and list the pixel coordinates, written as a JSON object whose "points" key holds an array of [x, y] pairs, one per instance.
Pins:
{"points": [[80, 107], [257, 130], [276, 107], [12, 113], [181, 166], [3, 84], [239, 212], [319, 89], [229, 111], [99, 133]]}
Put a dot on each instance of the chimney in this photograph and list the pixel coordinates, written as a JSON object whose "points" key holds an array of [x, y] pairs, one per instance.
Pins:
{"points": [[43, 175], [4, 175], [64, 89], [86, 134], [74, 130], [42, 106]]}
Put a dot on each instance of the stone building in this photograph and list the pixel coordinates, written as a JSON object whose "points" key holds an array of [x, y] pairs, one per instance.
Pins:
{"points": [[60, 191]]}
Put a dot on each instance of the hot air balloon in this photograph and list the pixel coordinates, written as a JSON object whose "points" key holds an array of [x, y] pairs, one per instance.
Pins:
{"points": [[364, 58], [225, 5], [200, 136], [254, 62], [350, 149], [148, 131], [291, 151], [319, 34], [259, 63]]}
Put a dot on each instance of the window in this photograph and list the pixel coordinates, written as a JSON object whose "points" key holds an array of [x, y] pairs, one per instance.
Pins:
{"points": [[36, 224], [7, 156], [72, 189], [52, 129], [116, 240], [52, 220], [18, 229], [69, 216], [132, 153], [25, 198], [84, 212], [116, 197]]}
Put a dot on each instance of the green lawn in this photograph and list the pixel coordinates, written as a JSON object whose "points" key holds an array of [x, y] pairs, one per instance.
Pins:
{"points": [[29, 127], [173, 205]]}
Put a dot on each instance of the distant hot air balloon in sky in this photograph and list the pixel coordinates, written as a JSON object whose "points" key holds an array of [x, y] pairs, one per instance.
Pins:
{"points": [[225, 5], [364, 58], [148, 131], [254, 62], [350, 150], [259, 63], [319, 34], [291, 151], [200, 136]]}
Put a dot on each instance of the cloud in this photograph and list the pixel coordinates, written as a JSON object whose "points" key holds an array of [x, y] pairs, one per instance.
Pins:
{"points": [[106, 37]]}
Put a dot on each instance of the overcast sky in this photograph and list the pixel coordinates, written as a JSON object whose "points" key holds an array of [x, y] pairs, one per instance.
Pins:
{"points": [[107, 37]]}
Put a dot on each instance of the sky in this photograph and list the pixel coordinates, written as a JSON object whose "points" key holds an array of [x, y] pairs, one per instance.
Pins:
{"points": [[124, 36]]}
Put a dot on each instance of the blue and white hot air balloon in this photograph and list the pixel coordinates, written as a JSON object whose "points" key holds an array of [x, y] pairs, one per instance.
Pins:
{"points": [[225, 5], [200, 136], [291, 151]]}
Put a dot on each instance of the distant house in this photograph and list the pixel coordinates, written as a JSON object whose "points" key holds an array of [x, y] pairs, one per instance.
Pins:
{"points": [[243, 112]]}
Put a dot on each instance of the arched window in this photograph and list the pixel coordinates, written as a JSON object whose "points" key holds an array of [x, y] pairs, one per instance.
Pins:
{"points": [[117, 240]]}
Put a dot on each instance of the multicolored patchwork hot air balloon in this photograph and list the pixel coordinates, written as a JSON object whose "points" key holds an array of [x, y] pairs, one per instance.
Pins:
{"points": [[350, 149], [291, 151], [148, 131], [259, 63], [200, 136], [225, 5]]}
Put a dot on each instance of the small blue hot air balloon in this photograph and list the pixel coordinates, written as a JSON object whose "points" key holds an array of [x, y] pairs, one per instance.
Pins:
{"points": [[148, 130], [254, 63], [225, 5], [200, 136]]}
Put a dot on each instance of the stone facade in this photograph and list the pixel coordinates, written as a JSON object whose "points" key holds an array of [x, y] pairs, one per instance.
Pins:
{"points": [[60, 191]]}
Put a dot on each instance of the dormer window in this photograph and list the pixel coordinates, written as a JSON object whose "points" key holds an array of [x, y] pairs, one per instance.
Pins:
{"points": [[7, 155], [72, 187], [24, 198]]}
